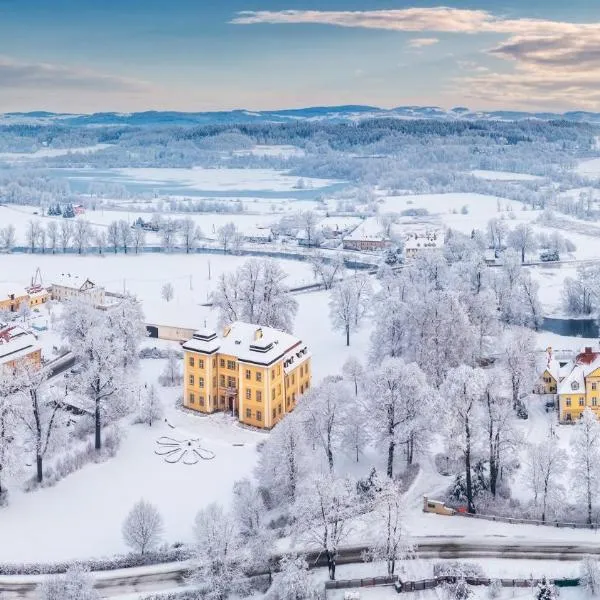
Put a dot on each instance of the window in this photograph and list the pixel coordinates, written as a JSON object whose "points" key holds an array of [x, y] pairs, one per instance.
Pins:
{"points": [[258, 396], [191, 361], [306, 385], [191, 380], [574, 386], [594, 401], [192, 399], [201, 382], [273, 373], [231, 382], [278, 389], [248, 394], [231, 365], [258, 376], [301, 370], [278, 369], [221, 400], [200, 363], [201, 400], [272, 392], [293, 377], [301, 389], [222, 363], [214, 362], [248, 413], [222, 380], [274, 413], [568, 416], [279, 409], [581, 402], [594, 385], [248, 374], [215, 381], [258, 415]]}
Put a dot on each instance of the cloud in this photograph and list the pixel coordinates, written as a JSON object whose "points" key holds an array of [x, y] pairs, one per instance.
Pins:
{"points": [[422, 42], [555, 63], [21, 75]]}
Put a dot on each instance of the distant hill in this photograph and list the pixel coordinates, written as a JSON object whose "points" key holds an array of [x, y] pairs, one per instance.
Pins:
{"points": [[346, 113]]}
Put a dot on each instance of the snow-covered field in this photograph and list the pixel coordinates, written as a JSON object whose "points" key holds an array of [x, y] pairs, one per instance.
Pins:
{"points": [[224, 179], [281, 150], [504, 176], [17, 157], [589, 168]]}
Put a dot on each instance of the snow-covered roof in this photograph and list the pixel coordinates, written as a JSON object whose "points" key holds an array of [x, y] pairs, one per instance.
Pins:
{"points": [[559, 369], [262, 233], [8, 288], [15, 343], [370, 230], [586, 362], [71, 280], [248, 342]]}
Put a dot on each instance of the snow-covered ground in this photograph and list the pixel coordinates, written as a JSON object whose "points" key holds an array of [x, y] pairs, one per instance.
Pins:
{"points": [[282, 150], [589, 168], [504, 176], [224, 179], [17, 157]]}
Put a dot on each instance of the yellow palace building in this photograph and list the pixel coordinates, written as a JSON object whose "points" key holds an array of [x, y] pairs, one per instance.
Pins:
{"points": [[580, 388], [256, 373]]}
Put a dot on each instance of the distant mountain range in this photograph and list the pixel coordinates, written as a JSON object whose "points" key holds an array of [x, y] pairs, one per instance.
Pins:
{"points": [[349, 113]]}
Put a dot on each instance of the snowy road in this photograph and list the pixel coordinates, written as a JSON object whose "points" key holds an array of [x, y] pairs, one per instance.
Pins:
{"points": [[156, 578]]}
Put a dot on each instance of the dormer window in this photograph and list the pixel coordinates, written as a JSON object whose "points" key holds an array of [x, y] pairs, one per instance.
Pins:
{"points": [[574, 386]]}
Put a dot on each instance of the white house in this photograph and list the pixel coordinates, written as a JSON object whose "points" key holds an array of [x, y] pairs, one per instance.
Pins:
{"points": [[69, 287]]}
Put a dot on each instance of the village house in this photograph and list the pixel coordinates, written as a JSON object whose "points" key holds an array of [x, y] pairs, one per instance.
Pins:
{"points": [[368, 236], [12, 296], [69, 287], [417, 243], [256, 373], [16, 345], [580, 388], [555, 370]]}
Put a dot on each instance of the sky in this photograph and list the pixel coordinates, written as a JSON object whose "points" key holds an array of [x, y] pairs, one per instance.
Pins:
{"points": [[196, 55]]}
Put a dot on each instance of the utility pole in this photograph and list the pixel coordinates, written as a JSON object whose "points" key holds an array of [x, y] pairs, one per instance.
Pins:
{"points": [[209, 269], [191, 286]]}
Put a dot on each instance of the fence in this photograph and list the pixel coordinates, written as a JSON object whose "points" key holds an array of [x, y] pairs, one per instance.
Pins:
{"points": [[516, 521], [434, 582]]}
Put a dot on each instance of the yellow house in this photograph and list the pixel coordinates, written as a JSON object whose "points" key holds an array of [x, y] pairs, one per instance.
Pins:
{"points": [[256, 373], [581, 387], [555, 370], [12, 296]]}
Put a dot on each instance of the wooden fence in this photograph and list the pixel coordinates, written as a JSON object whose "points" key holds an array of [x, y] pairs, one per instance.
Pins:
{"points": [[434, 582]]}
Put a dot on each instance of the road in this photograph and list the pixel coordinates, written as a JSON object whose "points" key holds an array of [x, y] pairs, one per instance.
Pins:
{"points": [[155, 578]]}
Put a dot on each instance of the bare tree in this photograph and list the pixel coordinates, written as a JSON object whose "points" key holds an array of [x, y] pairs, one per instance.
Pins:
{"points": [[326, 271], [190, 234], [167, 292], [32, 234], [66, 234], [139, 239], [226, 235], [8, 238], [125, 235], [82, 235], [523, 239], [52, 234], [143, 527], [114, 235]]}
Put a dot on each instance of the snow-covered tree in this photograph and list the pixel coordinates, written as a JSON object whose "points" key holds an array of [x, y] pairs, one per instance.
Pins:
{"points": [[38, 410], [391, 544], [523, 239], [8, 425], [250, 512], [354, 372], [125, 235], [32, 234], [463, 389], [66, 234], [282, 460], [497, 231], [255, 293], [8, 238], [219, 554], [101, 349], [498, 424], [293, 581], [167, 292], [545, 465], [143, 527], [113, 235], [171, 375], [138, 239], [150, 408], [398, 400], [349, 303], [545, 590], [323, 411], [226, 234], [42, 239], [323, 513], [325, 270], [190, 234], [585, 476], [75, 584], [309, 221], [589, 575], [52, 235], [519, 362], [82, 235], [100, 240]]}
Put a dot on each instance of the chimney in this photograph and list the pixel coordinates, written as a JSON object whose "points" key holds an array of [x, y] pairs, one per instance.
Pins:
{"points": [[258, 334], [588, 349]]}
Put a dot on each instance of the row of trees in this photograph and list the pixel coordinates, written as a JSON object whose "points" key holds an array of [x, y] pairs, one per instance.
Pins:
{"points": [[105, 344]]}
